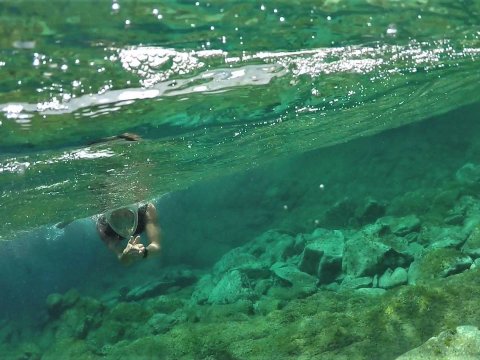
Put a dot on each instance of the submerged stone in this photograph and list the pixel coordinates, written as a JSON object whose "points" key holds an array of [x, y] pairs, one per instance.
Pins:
{"points": [[310, 260], [151, 289], [438, 263], [461, 343], [405, 225], [468, 174], [292, 277], [390, 278], [57, 303], [232, 287], [370, 211], [443, 237], [471, 246], [356, 283], [271, 247], [366, 255]]}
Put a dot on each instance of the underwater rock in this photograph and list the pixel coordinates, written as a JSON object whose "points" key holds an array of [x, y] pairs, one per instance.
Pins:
{"points": [[232, 287], [148, 290], [471, 246], [352, 283], [438, 263], [462, 343], [443, 237], [271, 247], [401, 226], [160, 323], [240, 259], [300, 281], [28, 351], [267, 304], [340, 214], [203, 288], [57, 303], [370, 211], [78, 319], [166, 303], [366, 256], [392, 278], [322, 256], [310, 260], [159, 287], [468, 174], [370, 291]]}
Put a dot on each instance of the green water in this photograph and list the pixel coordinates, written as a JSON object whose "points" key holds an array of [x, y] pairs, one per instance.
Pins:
{"points": [[210, 88]]}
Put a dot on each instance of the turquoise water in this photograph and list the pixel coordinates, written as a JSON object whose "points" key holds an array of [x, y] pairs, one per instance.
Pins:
{"points": [[243, 119]]}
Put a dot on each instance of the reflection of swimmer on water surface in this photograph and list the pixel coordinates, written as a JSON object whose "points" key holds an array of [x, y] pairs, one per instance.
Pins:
{"points": [[128, 222]]}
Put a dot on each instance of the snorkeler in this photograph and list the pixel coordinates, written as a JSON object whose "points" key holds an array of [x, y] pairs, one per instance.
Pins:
{"points": [[128, 223]]}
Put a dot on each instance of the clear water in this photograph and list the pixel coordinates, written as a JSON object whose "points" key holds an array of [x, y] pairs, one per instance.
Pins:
{"points": [[210, 88], [240, 109]]}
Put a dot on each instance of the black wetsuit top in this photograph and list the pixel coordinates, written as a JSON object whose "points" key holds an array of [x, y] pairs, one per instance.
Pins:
{"points": [[141, 223]]}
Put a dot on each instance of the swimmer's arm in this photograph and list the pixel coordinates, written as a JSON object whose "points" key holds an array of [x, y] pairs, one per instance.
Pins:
{"points": [[125, 259], [152, 230]]}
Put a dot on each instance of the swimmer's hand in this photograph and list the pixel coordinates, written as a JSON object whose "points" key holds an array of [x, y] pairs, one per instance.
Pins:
{"points": [[134, 248]]}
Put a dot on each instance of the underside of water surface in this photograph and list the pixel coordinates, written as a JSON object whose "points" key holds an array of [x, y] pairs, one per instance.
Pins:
{"points": [[209, 89], [314, 165]]}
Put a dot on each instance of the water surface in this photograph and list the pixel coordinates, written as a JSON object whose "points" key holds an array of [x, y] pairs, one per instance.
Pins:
{"points": [[209, 87]]}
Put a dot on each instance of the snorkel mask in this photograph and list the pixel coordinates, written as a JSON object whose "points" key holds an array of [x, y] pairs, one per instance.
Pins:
{"points": [[123, 220]]}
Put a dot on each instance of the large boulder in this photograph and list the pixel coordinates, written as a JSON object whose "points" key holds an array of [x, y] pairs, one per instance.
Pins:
{"points": [[366, 255], [400, 226], [173, 278], [438, 263], [468, 174], [351, 283], [471, 246], [299, 282], [232, 287], [369, 212], [461, 343], [58, 303], [322, 255], [443, 237], [271, 247], [392, 278]]}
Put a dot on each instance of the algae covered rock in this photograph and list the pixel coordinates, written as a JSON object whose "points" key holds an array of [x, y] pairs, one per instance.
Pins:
{"points": [[471, 246], [392, 278], [160, 323], [461, 343], [400, 226], [366, 255], [169, 280], [370, 211], [237, 258], [443, 237], [58, 303], [297, 281], [151, 289], [322, 255], [468, 174], [438, 263], [310, 260], [203, 288], [352, 283], [232, 287], [271, 247]]}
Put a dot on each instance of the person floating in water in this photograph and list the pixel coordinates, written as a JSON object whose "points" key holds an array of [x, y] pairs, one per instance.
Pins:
{"points": [[128, 222]]}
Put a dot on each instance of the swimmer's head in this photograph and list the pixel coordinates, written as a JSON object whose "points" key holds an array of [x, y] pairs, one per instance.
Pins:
{"points": [[123, 220]]}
